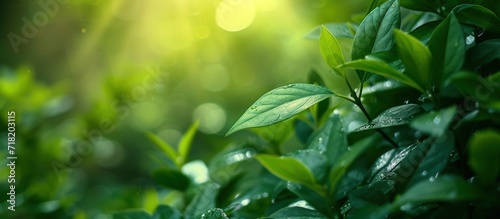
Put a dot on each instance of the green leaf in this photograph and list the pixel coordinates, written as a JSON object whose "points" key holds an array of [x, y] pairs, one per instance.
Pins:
{"points": [[171, 178], [444, 188], [447, 46], [203, 201], [483, 53], [416, 57], [419, 5], [345, 161], [313, 160], [375, 34], [287, 168], [331, 50], [479, 16], [339, 30], [484, 155], [164, 146], [215, 213], [132, 214], [394, 116], [435, 123], [383, 69], [295, 213], [166, 212], [280, 104], [331, 139], [185, 143], [319, 202]]}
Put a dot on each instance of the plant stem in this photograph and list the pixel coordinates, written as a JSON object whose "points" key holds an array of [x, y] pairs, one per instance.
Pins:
{"points": [[357, 101]]}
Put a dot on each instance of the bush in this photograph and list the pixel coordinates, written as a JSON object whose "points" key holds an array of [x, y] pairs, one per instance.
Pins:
{"points": [[416, 137]]}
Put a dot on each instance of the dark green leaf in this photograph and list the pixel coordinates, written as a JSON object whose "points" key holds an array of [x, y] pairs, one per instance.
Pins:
{"points": [[435, 123], [203, 201], [483, 53], [435, 159], [166, 212], [447, 46], [132, 214], [331, 51], [215, 213], [345, 161], [280, 104], [295, 213], [171, 178], [331, 139], [419, 5], [416, 57], [479, 16], [444, 188], [314, 160], [375, 34], [185, 143], [424, 32], [484, 155], [227, 164], [319, 202], [383, 69], [394, 116], [339, 30]]}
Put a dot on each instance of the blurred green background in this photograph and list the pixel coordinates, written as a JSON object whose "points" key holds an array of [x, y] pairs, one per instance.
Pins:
{"points": [[88, 78]]}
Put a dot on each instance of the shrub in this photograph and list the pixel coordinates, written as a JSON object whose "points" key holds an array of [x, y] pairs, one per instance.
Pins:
{"points": [[417, 136]]}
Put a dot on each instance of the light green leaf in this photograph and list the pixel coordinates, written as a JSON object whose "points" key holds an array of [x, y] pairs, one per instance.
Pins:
{"points": [[383, 69], [478, 15], [394, 116], [339, 30], [185, 143], [447, 46], [164, 146], [289, 169], [416, 57], [435, 123], [444, 188], [331, 50], [280, 104], [484, 155], [375, 34]]}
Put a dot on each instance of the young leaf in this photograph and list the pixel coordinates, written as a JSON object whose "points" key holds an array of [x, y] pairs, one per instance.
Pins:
{"points": [[339, 30], [287, 168], [447, 46], [394, 116], [383, 69], [185, 143], [435, 123], [374, 33], [479, 16], [484, 153], [331, 50], [164, 146], [416, 57], [280, 104]]}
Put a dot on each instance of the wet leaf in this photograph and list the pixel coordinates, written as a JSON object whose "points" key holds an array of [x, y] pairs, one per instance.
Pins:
{"points": [[483, 53], [435, 123], [166, 212], [399, 115], [314, 160], [447, 46], [375, 34], [319, 202], [280, 104], [215, 213], [203, 201], [478, 15], [295, 213], [134, 214], [330, 139]]}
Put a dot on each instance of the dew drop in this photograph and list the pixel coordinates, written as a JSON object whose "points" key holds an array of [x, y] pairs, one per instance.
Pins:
{"points": [[407, 101], [469, 40], [437, 120], [424, 173], [253, 107]]}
